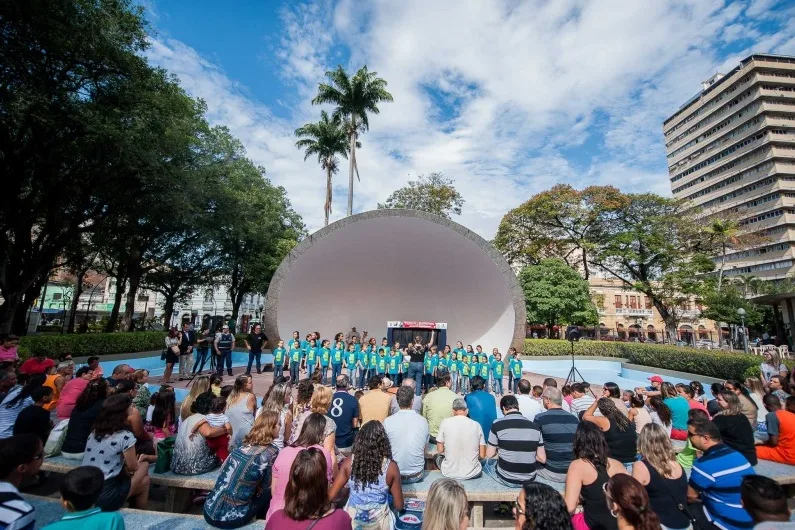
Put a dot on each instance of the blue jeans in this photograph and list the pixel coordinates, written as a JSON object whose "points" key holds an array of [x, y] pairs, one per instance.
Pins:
{"points": [[362, 377], [465, 384], [336, 370], [516, 385], [251, 357], [324, 371], [310, 369], [490, 468], [415, 372], [413, 479], [454, 377], [498, 385], [202, 354], [295, 370]]}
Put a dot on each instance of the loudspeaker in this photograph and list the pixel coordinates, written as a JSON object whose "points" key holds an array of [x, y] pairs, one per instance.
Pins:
{"points": [[572, 333]]}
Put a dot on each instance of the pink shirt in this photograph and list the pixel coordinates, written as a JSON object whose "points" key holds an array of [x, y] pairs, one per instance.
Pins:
{"points": [[336, 520], [69, 394], [281, 474], [34, 366], [8, 354]]}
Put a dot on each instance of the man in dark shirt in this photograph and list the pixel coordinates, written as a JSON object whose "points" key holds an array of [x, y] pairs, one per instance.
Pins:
{"points": [[35, 419], [557, 428], [518, 445], [254, 344], [344, 410], [416, 358], [186, 342]]}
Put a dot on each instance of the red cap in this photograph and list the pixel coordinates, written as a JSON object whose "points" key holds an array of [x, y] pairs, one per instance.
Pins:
{"points": [[656, 379]]}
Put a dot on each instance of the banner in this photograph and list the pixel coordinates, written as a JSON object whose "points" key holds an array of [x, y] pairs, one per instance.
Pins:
{"points": [[416, 324]]}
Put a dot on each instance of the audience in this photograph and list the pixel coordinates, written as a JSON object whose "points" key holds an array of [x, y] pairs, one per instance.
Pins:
{"points": [[278, 400], [778, 385], [780, 446], [80, 490], [71, 392], [192, 455], [550, 382], [712, 405], [56, 381], [629, 501], [416, 405], [766, 502], [438, 405], [371, 476], [528, 406], [35, 419], [39, 364], [408, 434], [686, 391], [638, 414], [242, 490], [482, 405], [87, 408], [714, 487], [661, 414], [8, 380], [20, 458], [122, 372], [679, 408], [446, 507], [345, 413], [144, 440], [612, 392], [517, 444], [460, 445], [199, 386], [557, 430], [540, 507], [375, 404], [664, 478], [240, 408], [747, 406], [735, 430], [18, 399], [619, 432], [687, 456], [582, 399]]}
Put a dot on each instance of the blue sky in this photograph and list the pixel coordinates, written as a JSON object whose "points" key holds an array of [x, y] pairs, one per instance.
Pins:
{"points": [[507, 98]]}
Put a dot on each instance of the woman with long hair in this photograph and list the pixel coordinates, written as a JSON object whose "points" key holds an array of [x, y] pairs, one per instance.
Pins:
{"points": [[171, 354], [447, 507], [613, 392], [164, 416], [242, 490], [17, 399], [371, 476], [618, 430], [679, 408], [539, 507], [756, 392], [587, 476], [278, 400], [698, 391], [311, 436], [86, 410], [111, 448], [747, 406], [199, 386], [771, 366], [320, 403], [629, 504], [192, 455], [638, 413], [734, 427], [660, 413], [307, 497], [663, 477], [240, 408], [301, 405]]}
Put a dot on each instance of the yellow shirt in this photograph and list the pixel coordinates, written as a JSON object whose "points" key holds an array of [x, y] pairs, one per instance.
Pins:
{"points": [[374, 405], [436, 406]]}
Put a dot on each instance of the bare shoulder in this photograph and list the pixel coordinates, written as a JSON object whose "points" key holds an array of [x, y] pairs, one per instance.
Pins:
{"points": [[614, 467]]}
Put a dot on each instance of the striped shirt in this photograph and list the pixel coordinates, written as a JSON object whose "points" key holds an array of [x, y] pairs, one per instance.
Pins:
{"points": [[717, 476], [517, 440], [581, 404], [15, 513], [557, 428], [8, 415]]}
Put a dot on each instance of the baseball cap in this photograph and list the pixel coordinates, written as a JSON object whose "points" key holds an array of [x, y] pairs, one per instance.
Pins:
{"points": [[225, 326], [656, 379]]}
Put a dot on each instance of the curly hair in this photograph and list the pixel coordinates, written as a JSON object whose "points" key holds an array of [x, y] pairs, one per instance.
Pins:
{"points": [[611, 412], [370, 449], [305, 390], [113, 416], [590, 444], [544, 508], [96, 390]]}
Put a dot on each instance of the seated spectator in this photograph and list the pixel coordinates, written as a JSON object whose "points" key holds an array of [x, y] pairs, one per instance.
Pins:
{"points": [[142, 392], [37, 365], [71, 392], [618, 430], [192, 455], [582, 399], [18, 399], [307, 497], [780, 446], [687, 392], [371, 477], [735, 430], [416, 405], [714, 487], [630, 502], [240, 408], [374, 405], [9, 351], [712, 405], [122, 372], [778, 385], [528, 406], [660, 413], [747, 406], [242, 490], [482, 405], [96, 368], [557, 429], [144, 440], [35, 419], [438, 405], [278, 400], [319, 404], [8, 380], [550, 382], [687, 456], [460, 444], [20, 457], [345, 413], [587, 476], [164, 416], [638, 414], [517, 444], [200, 385], [111, 448], [446, 507], [539, 506], [613, 392], [537, 391], [766, 502], [86, 410], [312, 434], [408, 435], [679, 408], [56, 381], [663, 477], [80, 490]]}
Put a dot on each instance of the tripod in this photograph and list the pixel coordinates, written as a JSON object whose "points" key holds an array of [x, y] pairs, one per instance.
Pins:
{"points": [[573, 373], [195, 372]]}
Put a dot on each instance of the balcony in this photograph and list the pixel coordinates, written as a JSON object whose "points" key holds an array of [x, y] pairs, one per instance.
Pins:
{"points": [[634, 312]]}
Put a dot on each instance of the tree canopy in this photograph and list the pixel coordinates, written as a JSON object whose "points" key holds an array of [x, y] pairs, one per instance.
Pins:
{"points": [[556, 294], [434, 194]]}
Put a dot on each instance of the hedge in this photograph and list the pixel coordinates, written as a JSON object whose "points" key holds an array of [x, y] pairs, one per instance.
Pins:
{"points": [[710, 363], [86, 344]]}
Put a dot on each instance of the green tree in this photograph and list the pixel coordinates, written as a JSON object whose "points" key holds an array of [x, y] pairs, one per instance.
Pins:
{"points": [[433, 194], [326, 139], [557, 294], [354, 97], [722, 305]]}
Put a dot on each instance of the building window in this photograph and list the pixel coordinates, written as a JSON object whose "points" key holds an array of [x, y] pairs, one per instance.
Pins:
{"points": [[619, 303], [57, 296], [208, 295]]}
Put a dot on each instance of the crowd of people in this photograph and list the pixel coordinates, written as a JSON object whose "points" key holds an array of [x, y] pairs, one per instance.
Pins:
{"points": [[305, 455]]}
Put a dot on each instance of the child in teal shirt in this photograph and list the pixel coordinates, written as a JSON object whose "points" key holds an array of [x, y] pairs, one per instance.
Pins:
{"points": [[279, 357], [311, 358], [452, 367], [296, 356], [483, 367], [516, 370], [464, 368], [497, 369], [363, 365], [325, 360], [336, 362], [394, 365], [80, 491], [381, 362], [351, 360]]}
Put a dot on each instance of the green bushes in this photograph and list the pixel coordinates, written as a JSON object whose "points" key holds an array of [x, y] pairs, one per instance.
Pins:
{"points": [[85, 344], [711, 363]]}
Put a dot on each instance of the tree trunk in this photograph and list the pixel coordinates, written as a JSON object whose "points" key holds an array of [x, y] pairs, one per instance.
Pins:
{"points": [[127, 322], [168, 311], [8, 311], [121, 283], [722, 266], [350, 169], [328, 193], [70, 328], [586, 270], [237, 300]]}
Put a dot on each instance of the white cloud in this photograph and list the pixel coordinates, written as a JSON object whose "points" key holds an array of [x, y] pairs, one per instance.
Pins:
{"points": [[524, 83]]}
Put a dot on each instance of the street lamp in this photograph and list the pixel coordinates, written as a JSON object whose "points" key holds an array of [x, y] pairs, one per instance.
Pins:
{"points": [[741, 312]]}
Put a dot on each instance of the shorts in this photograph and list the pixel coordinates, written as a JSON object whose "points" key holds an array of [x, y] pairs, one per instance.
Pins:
{"points": [[114, 492], [171, 357]]}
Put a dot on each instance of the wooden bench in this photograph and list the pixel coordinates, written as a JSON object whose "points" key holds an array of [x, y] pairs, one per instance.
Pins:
{"points": [[49, 510]]}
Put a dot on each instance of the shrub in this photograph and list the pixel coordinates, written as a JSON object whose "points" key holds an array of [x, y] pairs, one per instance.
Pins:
{"points": [[86, 344], [710, 363]]}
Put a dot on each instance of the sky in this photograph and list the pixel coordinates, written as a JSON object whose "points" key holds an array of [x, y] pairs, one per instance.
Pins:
{"points": [[507, 98]]}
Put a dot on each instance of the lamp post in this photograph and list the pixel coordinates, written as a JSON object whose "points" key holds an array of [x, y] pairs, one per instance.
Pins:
{"points": [[741, 312]]}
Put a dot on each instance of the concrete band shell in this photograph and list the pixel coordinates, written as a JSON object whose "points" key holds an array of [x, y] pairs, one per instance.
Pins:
{"points": [[386, 265]]}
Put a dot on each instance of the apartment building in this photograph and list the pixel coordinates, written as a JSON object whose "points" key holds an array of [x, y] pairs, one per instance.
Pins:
{"points": [[731, 148]]}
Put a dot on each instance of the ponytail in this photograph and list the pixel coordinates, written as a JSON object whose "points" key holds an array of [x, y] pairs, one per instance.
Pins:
{"points": [[633, 502]]}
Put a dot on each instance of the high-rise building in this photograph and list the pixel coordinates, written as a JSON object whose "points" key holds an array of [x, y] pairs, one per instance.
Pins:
{"points": [[731, 148]]}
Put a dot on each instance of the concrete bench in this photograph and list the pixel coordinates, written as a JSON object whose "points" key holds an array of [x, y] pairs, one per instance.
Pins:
{"points": [[49, 510]]}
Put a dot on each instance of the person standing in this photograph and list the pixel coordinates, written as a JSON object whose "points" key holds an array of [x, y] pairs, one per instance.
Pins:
{"points": [[203, 350], [408, 435], [416, 369], [255, 341], [187, 339], [344, 411], [438, 405], [558, 428], [224, 344], [518, 445], [482, 405], [460, 444], [353, 333]]}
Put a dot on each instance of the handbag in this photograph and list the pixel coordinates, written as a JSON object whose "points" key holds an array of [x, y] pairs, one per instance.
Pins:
{"points": [[163, 355], [56, 438], [165, 450]]}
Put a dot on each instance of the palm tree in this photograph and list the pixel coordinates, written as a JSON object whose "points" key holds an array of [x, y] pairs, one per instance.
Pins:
{"points": [[723, 233], [326, 139], [354, 98]]}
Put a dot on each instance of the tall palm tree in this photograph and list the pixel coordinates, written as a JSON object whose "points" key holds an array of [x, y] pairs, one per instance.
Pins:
{"points": [[354, 98], [724, 234], [326, 139]]}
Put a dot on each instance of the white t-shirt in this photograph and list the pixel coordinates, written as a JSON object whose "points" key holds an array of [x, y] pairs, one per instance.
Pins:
{"points": [[216, 420], [529, 407], [462, 438], [770, 371]]}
